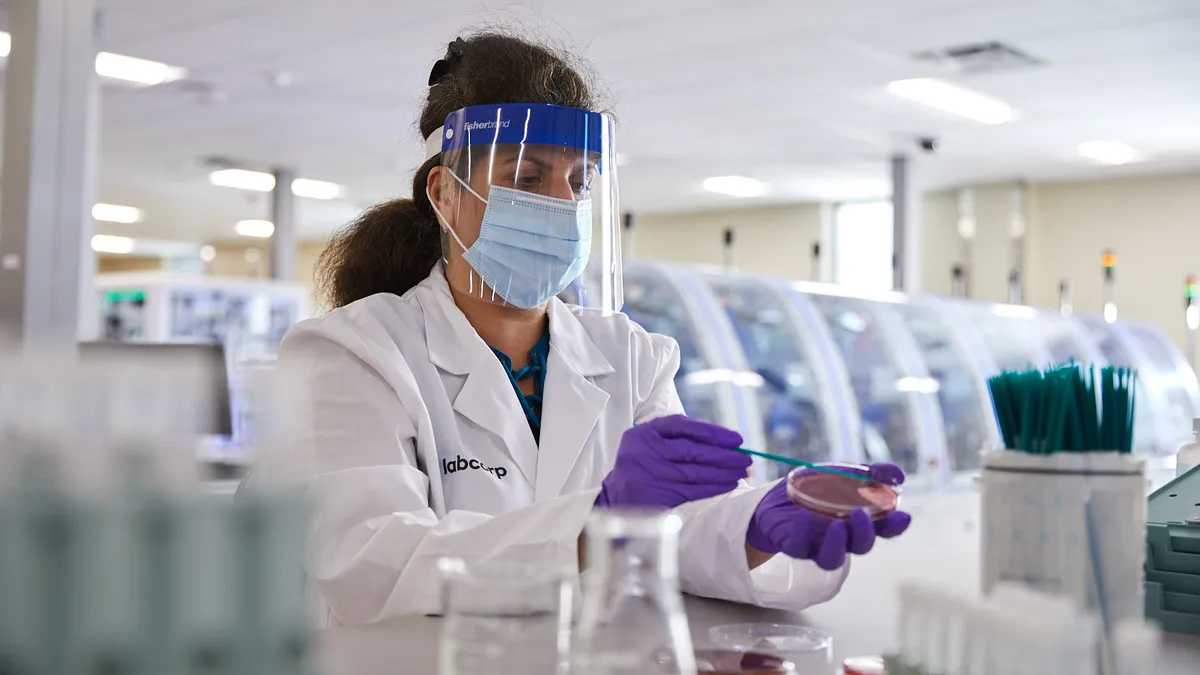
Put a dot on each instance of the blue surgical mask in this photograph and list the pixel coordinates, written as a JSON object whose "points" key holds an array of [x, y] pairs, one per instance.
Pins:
{"points": [[530, 246]]}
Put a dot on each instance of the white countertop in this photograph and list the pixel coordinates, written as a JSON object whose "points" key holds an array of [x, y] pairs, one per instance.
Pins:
{"points": [[942, 547]]}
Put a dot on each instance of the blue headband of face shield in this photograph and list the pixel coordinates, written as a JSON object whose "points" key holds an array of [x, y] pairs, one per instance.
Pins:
{"points": [[524, 123]]}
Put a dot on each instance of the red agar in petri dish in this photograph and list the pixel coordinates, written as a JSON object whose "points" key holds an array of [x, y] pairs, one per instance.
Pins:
{"points": [[837, 496], [732, 662]]}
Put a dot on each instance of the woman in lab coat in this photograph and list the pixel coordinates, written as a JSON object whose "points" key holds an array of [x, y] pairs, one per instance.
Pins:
{"points": [[458, 408]]}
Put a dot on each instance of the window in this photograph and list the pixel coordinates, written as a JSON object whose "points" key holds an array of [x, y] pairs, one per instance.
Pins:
{"points": [[863, 246]]}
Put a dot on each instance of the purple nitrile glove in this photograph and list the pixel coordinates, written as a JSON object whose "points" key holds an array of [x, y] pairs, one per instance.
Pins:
{"points": [[779, 526], [672, 460]]}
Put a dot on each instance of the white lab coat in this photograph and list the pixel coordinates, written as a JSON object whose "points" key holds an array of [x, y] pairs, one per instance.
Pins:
{"points": [[416, 447]]}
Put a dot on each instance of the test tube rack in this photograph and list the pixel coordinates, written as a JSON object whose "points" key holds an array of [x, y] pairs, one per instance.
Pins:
{"points": [[1173, 555], [943, 633], [113, 559]]}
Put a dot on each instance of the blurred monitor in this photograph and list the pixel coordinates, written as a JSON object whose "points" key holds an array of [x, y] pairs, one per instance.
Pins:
{"points": [[203, 363]]}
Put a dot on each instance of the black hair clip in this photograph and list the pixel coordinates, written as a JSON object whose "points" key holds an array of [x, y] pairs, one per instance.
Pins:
{"points": [[440, 70], [445, 65]]}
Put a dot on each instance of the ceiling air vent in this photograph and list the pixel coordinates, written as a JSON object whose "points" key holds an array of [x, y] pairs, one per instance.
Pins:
{"points": [[981, 57]]}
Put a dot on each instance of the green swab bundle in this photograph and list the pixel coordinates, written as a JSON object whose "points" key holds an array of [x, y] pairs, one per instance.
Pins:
{"points": [[1057, 410]]}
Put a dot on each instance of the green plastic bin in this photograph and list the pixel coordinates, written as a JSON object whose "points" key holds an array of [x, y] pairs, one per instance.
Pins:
{"points": [[1175, 582], [1172, 538], [1174, 612]]}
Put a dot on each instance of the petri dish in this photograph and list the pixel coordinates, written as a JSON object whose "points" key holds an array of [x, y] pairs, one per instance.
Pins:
{"points": [[772, 638], [731, 662], [837, 496]]}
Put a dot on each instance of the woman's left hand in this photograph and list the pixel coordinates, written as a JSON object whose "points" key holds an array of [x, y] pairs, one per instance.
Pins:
{"points": [[779, 526]]}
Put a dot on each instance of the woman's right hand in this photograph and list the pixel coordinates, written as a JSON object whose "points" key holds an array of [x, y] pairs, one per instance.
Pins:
{"points": [[672, 460]]}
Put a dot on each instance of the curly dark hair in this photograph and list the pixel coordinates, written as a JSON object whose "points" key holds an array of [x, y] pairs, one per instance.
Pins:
{"points": [[393, 246]]}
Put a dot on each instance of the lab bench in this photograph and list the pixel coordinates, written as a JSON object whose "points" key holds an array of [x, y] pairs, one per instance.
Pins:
{"points": [[942, 547]]}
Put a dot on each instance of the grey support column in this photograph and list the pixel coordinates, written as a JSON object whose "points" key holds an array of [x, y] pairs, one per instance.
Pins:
{"points": [[627, 234], [47, 93], [827, 273], [967, 227], [89, 328], [284, 243], [906, 226], [1017, 225]]}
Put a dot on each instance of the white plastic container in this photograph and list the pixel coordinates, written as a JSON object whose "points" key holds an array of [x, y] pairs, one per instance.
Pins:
{"points": [[1188, 456], [1035, 526]]}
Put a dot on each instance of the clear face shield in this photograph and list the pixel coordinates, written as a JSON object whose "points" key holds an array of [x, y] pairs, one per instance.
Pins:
{"points": [[527, 199]]}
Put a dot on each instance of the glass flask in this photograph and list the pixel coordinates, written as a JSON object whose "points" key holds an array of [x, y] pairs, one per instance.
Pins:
{"points": [[632, 621], [504, 618]]}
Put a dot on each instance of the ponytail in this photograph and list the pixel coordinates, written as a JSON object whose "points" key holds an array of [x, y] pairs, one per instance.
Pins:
{"points": [[390, 248]]}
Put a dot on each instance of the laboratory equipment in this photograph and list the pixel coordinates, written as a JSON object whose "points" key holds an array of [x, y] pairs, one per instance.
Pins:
{"points": [[1035, 527], [896, 396], [808, 648], [632, 615], [729, 662], [205, 364], [247, 317], [1158, 433], [837, 495], [1066, 409], [776, 637], [504, 618], [841, 375], [1174, 377], [173, 307], [941, 632], [1069, 468], [714, 380], [808, 407], [1188, 456], [111, 558], [1173, 555], [1006, 331], [958, 376]]}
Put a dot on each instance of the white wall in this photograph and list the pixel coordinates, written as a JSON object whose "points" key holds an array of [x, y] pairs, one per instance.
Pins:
{"points": [[1153, 225], [775, 241]]}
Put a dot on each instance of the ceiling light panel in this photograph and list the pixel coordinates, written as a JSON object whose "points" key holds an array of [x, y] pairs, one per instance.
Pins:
{"points": [[260, 181], [261, 229], [735, 186], [316, 189], [137, 71], [952, 99], [106, 243], [242, 179], [1108, 152], [115, 213]]}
